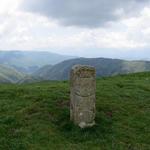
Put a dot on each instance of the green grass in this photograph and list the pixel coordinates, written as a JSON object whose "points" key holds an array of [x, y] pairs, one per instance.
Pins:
{"points": [[36, 116]]}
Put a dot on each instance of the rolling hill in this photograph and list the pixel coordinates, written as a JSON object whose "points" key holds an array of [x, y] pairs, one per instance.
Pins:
{"points": [[43, 70], [9, 75], [104, 67], [36, 116], [29, 79], [30, 61]]}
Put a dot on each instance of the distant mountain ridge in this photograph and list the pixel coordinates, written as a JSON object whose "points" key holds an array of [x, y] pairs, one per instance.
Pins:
{"points": [[104, 67], [30, 61], [9, 73]]}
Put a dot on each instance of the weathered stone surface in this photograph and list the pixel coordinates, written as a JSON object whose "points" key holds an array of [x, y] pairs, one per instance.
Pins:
{"points": [[83, 87]]}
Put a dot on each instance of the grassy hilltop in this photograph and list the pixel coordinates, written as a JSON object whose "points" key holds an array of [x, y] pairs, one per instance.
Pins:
{"points": [[36, 116]]}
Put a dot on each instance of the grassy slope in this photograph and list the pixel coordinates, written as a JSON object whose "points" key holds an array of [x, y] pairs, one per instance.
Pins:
{"points": [[36, 116], [8, 74]]}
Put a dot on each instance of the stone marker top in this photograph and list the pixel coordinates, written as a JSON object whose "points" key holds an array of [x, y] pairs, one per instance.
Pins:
{"points": [[83, 71]]}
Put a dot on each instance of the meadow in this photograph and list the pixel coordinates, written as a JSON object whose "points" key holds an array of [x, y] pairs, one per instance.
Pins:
{"points": [[36, 116]]}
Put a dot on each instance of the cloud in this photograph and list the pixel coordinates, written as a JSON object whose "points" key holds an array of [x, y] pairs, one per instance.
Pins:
{"points": [[8, 6], [86, 13], [126, 36]]}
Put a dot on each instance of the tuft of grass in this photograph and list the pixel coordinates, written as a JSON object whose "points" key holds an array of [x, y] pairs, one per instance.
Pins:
{"points": [[36, 116]]}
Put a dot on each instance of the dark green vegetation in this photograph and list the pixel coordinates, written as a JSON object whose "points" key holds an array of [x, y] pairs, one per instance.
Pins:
{"points": [[30, 61], [36, 116], [104, 67], [9, 74]]}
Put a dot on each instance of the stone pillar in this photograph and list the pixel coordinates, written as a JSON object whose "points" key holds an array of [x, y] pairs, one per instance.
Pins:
{"points": [[83, 87]]}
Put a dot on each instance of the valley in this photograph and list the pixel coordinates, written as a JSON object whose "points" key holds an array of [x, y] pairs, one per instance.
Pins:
{"points": [[28, 67]]}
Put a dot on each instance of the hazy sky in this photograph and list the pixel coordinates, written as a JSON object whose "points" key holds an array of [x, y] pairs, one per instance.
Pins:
{"points": [[90, 28]]}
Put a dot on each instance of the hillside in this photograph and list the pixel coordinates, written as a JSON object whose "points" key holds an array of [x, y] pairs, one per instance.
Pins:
{"points": [[9, 75], [104, 67], [43, 70], [36, 116], [29, 79], [30, 61]]}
